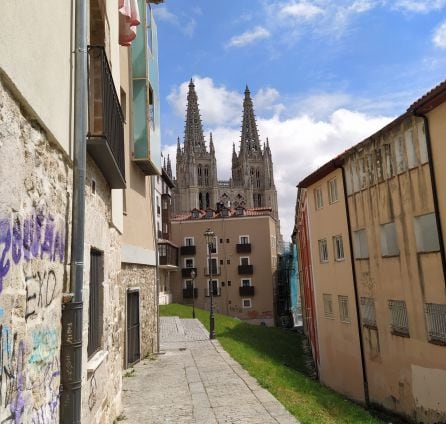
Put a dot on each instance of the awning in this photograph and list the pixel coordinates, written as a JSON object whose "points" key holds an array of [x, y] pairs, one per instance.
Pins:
{"points": [[128, 21]]}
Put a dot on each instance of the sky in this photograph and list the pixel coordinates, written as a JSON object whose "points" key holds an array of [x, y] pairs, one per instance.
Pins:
{"points": [[323, 74]]}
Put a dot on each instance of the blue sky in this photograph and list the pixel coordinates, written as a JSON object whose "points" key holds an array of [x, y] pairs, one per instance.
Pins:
{"points": [[324, 74]]}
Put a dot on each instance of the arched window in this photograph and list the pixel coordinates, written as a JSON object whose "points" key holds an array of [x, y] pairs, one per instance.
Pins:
{"points": [[200, 176], [206, 176], [208, 203], [200, 200], [259, 200], [258, 178]]}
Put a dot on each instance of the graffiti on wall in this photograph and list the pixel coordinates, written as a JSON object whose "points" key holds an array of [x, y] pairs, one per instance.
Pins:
{"points": [[23, 239], [29, 350]]}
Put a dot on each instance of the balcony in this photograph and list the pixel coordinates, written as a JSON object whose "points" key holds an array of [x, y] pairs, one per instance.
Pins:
{"points": [[168, 256], [105, 138], [243, 247], [215, 271], [187, 293], [185, 272], [246, 291], [215, 293], [245, 269], [188, 250]]}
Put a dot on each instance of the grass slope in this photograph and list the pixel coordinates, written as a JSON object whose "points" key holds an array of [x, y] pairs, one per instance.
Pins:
{"points": [[276, 358]]}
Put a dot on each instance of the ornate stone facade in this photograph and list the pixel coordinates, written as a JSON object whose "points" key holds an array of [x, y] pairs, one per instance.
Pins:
{"points": [[197, 186]]}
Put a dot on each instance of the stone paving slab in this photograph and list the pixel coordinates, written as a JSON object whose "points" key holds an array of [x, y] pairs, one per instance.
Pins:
{"points": [[194, 380]]}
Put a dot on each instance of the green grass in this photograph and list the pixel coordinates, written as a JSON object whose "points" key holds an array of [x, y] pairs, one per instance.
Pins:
{"points": [[276, 358]]}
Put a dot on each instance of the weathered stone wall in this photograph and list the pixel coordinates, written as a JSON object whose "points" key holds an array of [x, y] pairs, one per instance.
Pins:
{"points": [[35, 180], [101, 380], [142, 277]]}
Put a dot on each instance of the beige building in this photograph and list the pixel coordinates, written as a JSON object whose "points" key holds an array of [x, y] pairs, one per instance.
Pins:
{"points": [[37, 311], [243, 262], [394, 185], [339, 361]]}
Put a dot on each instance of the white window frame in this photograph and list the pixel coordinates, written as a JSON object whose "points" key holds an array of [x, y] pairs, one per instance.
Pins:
{"points": [[323, 243], [250, 303], [246, 279], [217, 265], [328, 305], [240, 239], [185, 282], [185, 261], [318, 198], [245, 257], [337, 252], [208, 293], [344, 311], [215, 244], [332, 191], [189, 238]]}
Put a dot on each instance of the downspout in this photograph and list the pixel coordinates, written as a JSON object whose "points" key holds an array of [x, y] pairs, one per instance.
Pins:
{"points": [[355, 286], [434, 191], [71, 343], [157, 276]]}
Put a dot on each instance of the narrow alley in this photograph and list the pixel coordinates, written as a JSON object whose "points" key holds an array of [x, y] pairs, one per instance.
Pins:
{"points": [[194, 380]]}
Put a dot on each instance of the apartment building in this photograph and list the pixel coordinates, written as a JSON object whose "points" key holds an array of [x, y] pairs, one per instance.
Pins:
{"points": [[46, 326], [394, 214], [327, 243], [240, 270]]}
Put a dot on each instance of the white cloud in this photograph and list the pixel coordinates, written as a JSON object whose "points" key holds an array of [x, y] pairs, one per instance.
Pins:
{"points": [[300, 143], [439, 37], [420, 6], [249, 37], [301, 10], [183, 24], [218, 105]]}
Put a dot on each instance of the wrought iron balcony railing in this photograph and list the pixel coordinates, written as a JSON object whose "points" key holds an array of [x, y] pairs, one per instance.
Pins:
{"points": [[245, 269], [105, 141], [188, 250], [243, 247], [246, 291]]}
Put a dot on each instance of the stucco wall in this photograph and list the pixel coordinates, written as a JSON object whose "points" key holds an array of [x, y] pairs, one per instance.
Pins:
{"points": [[34, 218]]}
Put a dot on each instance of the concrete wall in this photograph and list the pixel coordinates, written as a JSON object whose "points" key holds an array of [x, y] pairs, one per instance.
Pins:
{"points": [[263, 257], [339, 354], [403, 370], [35, 182]]}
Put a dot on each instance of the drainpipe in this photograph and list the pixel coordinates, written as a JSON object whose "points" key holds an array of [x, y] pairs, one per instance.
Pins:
{"points": [[157, 276], [355, 286], [434, 190], [71, 348]]}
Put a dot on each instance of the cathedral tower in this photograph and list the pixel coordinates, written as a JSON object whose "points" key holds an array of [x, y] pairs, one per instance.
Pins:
{"points": [[196, 167]]}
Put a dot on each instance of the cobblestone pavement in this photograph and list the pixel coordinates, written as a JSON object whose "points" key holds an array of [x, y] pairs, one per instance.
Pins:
{"points": [[194, 380]]}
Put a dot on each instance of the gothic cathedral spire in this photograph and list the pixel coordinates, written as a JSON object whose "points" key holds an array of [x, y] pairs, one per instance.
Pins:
{"points": [[250, 137], [193, 131]]}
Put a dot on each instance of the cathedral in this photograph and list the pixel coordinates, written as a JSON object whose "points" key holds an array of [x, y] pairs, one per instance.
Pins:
{"points": [[197, 186]]}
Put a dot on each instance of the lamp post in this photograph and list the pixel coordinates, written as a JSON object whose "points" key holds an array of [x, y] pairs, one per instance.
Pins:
{"points": [[209, 236], [192, 275]]}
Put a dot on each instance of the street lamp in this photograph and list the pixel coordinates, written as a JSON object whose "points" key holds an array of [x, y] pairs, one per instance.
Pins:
{"points": [[209, 236], [192, 275]]}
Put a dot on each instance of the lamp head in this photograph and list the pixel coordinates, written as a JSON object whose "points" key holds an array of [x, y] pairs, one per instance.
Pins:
{"points": [[209, 235], [192, 274]]}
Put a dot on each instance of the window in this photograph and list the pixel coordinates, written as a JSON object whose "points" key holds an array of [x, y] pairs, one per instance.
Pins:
{"points": [[328, 306], [93, 187], [426, 233], [343, 309], [195, 214], [158, 209], [162, 250], [244, 261], [338, 248], [209, 214], [229, 283], [245, 282], [410, 149], [398, 318], [189, 241], [228, 262], [436, 322], [368, 312], [323, 251], [224, 213], [95, 302], [188, 284], [332, 191], [244, 239], [401, 164], [151, 108], [165, 204], [215, 288], [360, 244], [213, 247], [212, 266], [239, 211], [246, 303], [389, 242], [318, 201], [227, 240], [189, 262]]}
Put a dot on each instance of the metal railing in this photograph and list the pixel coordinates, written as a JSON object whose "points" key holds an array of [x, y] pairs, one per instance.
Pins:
{"points": [[436, 322], [105, 117], [398, 314]]}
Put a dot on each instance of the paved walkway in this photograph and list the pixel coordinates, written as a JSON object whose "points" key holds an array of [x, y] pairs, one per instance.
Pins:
{"points": [[196, 381]]}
